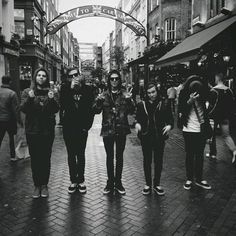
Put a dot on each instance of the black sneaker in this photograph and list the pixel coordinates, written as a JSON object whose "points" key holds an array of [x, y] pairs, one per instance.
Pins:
{"points": [[146, 190], [108, 189], [203, 184], [82, 188], [188, 185], [72, 188], [120, 189], [159, 190]]}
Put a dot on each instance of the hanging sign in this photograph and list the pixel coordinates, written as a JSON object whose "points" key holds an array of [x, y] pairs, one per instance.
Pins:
{"points": [[95, 11]]}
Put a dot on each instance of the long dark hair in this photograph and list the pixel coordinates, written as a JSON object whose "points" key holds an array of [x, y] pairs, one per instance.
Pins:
{"points": [[33, 82], [109, 78]]}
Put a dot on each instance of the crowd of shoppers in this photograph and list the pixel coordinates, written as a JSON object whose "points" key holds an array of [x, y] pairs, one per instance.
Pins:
{"points": [[79, 101]]}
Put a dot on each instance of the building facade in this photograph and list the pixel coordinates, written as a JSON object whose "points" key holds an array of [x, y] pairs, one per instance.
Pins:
{"points": [[9, 46]]}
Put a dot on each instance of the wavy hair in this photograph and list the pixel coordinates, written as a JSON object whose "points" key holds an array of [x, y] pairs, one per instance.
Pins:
{"points": [[33, 82]]}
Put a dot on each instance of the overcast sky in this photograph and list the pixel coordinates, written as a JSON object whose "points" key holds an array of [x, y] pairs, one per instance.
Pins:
{"points": [[90, 29]]}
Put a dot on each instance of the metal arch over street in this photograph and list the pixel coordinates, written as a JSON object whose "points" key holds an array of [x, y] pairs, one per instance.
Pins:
{"points": [[95, 11]]}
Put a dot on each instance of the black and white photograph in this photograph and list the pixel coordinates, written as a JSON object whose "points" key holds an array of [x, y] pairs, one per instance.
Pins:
{"points": [[117, 117]]}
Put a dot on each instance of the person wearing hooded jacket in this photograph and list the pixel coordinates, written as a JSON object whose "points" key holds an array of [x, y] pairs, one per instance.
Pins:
{"points": [[154, 121], [40, 104], [115, 104]]}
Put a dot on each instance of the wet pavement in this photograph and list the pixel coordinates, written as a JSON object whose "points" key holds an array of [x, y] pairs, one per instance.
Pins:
{"points": [[178, 212]]}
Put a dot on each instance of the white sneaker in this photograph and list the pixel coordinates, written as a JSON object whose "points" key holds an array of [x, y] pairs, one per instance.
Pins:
{"points": [[203, 184]]}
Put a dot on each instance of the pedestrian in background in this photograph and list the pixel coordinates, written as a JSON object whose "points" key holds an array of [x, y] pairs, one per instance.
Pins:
{"points": [[154, 121], [115, 104], [40, 104], [192, 113], [221, 110], [171, 94], [76, 101], [9, 114]]}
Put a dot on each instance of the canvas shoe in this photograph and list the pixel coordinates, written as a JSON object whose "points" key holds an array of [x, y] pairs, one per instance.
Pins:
{"points": [[203, 184], [108, 189], [72, 188], [120, 189], [44, 191], [146, 190], [188, 185], [159, 190], [82, 188], [36, 193]]}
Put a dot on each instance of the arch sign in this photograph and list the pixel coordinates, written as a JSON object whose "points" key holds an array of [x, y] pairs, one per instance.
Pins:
{"points": [[97, 11]]}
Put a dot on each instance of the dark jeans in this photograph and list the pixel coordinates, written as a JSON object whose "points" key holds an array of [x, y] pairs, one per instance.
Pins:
{"points": [[75, 144], [152, 148], [194, 148], [5, 127], [172, 104], [224, 126], [40, 150], [109, 142]]}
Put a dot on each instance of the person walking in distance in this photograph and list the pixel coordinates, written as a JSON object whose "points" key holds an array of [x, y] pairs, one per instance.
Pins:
{"points": [[40, 104], [76, 99], [115, 104], [9, 114], [221, 110], [171, 94], [192, 114], [154, 122]]}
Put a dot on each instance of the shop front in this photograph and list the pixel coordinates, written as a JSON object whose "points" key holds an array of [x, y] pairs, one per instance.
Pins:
{"points": [[206, 50]]}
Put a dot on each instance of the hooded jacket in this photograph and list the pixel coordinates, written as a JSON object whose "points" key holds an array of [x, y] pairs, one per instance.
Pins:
{"points": [[162, 116], [40, 110]]}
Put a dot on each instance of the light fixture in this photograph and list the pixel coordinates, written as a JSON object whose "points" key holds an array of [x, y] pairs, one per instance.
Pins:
{"points": [[226, 58], [225, 11]]}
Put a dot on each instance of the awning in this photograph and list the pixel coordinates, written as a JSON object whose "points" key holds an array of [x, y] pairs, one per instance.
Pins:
{"points": [[140, 60], [188, 49]]}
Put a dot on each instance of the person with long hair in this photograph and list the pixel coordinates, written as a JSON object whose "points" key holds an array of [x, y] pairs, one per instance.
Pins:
{"points": [[154, 121], [192, 113], [40, 104], [115, 104]]}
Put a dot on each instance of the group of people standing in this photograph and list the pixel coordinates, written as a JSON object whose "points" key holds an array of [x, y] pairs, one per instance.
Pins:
{"points": [[154, 120]]}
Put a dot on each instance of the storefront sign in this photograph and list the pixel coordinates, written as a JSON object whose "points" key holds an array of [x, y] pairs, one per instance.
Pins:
{"points": [[11, 52], [99, 11]]}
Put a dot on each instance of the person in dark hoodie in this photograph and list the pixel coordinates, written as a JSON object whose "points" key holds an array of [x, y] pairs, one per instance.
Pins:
{"points": [[154, 121], [40, 104], [76, 101]]}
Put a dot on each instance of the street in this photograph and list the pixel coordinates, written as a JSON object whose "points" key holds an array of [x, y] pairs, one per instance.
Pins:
{"points": [[178, 212]]}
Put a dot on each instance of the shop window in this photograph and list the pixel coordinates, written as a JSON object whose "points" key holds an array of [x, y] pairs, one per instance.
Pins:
{"points": [[19, 20], [170, 29], [153, 4], [216, 6]]}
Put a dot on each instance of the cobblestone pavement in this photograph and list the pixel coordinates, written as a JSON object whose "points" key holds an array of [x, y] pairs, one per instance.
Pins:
{"points": [[179, 212]]}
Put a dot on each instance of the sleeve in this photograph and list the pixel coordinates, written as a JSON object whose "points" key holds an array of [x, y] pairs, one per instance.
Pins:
{"points": [[138, 113], [168, 114], [28, 104], [51, 105]]}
